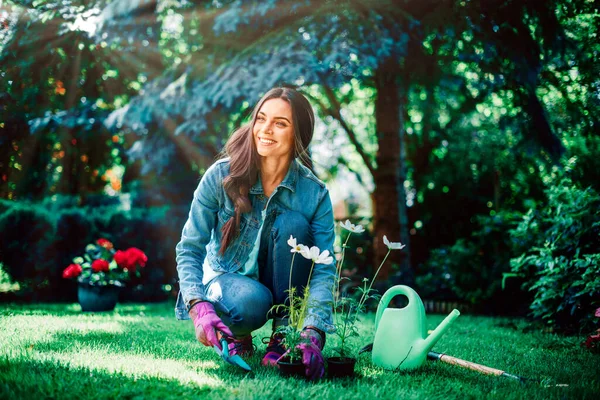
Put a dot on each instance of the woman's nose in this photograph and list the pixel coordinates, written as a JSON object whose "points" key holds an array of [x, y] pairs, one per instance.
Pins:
{"points": [[267, 128]]}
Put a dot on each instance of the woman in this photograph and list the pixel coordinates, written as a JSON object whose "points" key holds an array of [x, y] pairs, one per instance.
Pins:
{"points": [[233, 259]]}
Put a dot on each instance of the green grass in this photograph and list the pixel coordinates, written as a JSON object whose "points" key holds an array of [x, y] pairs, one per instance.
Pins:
{"points": [[141, 351]]}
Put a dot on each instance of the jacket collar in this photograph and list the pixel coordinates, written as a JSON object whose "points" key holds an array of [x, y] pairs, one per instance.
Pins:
{"points": [[288, 182]]}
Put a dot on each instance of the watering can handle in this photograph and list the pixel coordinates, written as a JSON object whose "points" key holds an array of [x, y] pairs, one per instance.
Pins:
{"points": [[389, 294]]}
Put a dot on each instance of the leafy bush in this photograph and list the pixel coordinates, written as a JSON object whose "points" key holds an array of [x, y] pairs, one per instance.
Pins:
{"points": [[74, 230], [26, 240], [156, 230], [471, 269], [560, 257], [36, 245]]}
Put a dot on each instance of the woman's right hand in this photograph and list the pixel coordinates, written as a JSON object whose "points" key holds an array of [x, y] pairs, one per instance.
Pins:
{"points": [[206, 324]]}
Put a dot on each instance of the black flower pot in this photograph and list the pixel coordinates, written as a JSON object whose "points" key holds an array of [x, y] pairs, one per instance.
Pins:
{"points": [[340, 367], [287, 368], [97, 298]]}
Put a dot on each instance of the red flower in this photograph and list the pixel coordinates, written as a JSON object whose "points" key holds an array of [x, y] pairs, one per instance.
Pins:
{"points": [[137, 256], [104, 243], [593, 342], [100, 265], [72, 271], [121, 259], [130, 258]]}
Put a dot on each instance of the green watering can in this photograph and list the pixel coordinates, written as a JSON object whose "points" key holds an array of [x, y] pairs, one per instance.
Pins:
{"points": [[401, 340]]}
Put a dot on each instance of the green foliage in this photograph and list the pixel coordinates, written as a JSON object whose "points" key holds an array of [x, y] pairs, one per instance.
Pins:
{"points": [[349, 305], [295, 311], [471, 269], [347, 310], [40, 239], [560, 259], [6, 204], [26, 240], [59, 82]]}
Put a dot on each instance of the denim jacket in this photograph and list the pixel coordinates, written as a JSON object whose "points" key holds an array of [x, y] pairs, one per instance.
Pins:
{"points": [[211, 207]]}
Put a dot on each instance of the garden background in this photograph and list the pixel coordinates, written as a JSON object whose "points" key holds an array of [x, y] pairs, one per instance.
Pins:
{"points": [[467, 130]]}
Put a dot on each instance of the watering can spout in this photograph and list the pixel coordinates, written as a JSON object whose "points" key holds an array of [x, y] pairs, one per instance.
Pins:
{"points": [[432, 339]]}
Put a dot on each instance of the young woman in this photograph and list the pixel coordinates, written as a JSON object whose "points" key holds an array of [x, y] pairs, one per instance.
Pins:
{"points": [[233, 259]]}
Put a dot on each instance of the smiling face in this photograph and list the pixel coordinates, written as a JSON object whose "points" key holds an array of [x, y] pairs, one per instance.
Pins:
{"points": [[273, 130]]}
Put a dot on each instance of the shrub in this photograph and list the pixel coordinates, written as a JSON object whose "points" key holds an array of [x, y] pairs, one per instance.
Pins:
{"points": [[157, 232], [471, 269], [26, 240], [36, 245], [74, 229], [560, 258]]}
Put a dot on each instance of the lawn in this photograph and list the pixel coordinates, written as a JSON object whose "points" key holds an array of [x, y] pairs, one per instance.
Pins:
{"points": [[141, 351]]}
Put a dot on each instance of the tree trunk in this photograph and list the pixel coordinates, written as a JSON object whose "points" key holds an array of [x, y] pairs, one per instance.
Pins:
{"points": [[386, 196]]}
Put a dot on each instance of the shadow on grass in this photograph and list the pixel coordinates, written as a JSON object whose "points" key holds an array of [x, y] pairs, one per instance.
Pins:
{"points": [[40, 309], [127, 343], [51, 379]]}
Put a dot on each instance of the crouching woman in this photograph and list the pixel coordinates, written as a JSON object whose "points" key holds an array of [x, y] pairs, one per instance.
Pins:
{"points": [[233, 259]]}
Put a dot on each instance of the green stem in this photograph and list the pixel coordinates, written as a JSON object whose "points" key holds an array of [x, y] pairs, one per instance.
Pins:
{"points": [[339, 268], [365, 294], [310, 273], [290, 293], [291, 271], [305, 299], [338, 274]]}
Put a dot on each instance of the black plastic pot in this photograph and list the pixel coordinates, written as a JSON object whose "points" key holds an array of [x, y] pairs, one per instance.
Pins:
{"points": [[287, 368], [340, 367], [97, 298]]}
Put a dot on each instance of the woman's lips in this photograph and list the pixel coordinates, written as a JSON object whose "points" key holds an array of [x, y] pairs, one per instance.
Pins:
{"points": [[266, 142]]}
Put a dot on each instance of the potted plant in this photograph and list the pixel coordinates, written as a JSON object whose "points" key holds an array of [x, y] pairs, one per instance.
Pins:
{"points": [[290, 363], [348, 306], [101, 272]]}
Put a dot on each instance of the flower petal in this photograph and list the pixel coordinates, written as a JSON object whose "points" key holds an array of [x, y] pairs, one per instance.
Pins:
{"points": [[346, 225], [305, 252], [292, 241], [393, 245]]}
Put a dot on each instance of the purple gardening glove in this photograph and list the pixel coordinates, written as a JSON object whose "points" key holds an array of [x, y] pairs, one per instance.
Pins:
{"points": [[311, 355], [206, 323]]}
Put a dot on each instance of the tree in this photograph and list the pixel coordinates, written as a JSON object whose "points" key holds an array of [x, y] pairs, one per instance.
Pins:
{"points": [[282, 42], [244, 48], [59, 81]]}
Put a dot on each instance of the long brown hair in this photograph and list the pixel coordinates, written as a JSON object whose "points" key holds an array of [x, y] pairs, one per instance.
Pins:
{"points": [[244, 159]]}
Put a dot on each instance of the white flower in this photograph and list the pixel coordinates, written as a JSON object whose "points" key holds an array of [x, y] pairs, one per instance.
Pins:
{"points": [[296, 248], [393, 245], [316, 256], [351, 227]]}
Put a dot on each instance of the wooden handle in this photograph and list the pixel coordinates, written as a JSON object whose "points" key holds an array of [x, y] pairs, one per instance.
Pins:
{"points": [[470, 365]]}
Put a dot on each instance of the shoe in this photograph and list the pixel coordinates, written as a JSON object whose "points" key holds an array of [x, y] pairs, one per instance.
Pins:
{"points": [[241, 346], [274, 351]]}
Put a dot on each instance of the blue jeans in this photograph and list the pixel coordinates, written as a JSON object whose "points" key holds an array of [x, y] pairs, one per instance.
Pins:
{"points": [[243, 303]]}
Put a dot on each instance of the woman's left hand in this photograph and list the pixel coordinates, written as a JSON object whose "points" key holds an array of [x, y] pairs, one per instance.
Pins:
{"points": [[311, 355]]}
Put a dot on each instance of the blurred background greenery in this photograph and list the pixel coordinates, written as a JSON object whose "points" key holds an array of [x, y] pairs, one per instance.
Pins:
{"points": [[466, 129]]}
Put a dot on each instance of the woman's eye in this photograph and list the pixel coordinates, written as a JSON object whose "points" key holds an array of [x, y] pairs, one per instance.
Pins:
{"points": [[260, 119], [281, 124]]}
